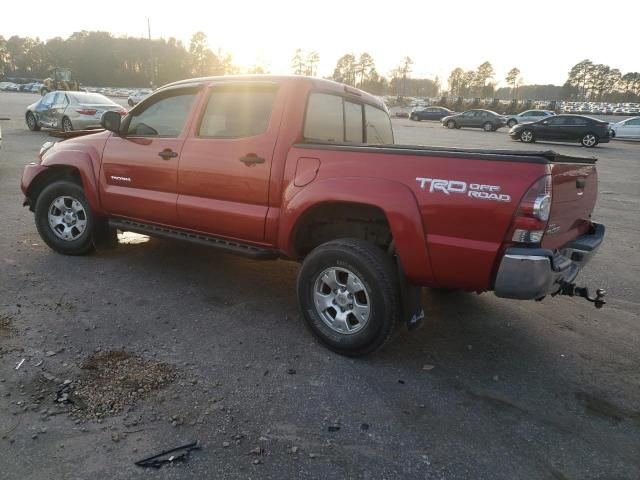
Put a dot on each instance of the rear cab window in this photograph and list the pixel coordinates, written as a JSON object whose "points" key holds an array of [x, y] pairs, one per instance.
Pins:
{"points": [[335, 119]]}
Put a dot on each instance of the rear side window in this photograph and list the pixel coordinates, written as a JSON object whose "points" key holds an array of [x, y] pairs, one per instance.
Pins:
{"points": [[378, 126], [237, 111], [324, 120], [164, 117], [330, 118], [353, 122]]}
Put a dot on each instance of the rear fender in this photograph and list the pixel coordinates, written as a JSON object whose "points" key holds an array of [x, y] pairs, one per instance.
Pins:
{"points": [[396, 201]]}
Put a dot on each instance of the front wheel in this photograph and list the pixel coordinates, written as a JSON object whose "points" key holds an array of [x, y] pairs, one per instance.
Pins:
{"points": [[512, 123], [589, 140], [64, 218], [349, 295], [526, 136], [451, 124], [67, 126], [32, 122], [488, 127]]}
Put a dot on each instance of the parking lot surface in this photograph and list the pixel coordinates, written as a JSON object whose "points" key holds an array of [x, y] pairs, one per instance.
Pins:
{"points": [[155, 344]]}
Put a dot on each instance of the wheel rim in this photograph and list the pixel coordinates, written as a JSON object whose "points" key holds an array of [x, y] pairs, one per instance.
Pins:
{"points": [[31, 121], [451, 124], [66, 125], [511, 123], [487, 127], [67, 218], [526, 136], [341, 300], [589, 140]]}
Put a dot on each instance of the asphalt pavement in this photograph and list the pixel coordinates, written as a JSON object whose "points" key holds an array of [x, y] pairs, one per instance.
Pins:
{"points": [[487, 389]]}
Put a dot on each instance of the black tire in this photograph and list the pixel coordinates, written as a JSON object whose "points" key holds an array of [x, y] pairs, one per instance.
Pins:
{"points": [[79, 245], [379, 279], [488, 127], [66, 126], [130, 102], [589, 140], [32, 122], [512, 123], [451, 124], [527, 136]]}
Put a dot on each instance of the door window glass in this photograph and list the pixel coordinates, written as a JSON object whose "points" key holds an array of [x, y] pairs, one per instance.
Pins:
{"points": [[237, 111], [324, 120], [379, 129], [165, 117]]}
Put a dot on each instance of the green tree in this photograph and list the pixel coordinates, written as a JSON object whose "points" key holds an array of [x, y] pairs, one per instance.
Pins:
{"points": [[311, 63], [345, 71], [512, 80], [455, 81], [298, 62]]}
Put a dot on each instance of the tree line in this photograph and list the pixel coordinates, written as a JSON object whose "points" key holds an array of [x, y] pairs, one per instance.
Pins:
{"points": [[599, 82], [100, 59]]}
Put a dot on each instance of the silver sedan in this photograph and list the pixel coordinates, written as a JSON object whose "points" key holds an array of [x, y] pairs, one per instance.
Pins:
{"points": [[68, 111]]}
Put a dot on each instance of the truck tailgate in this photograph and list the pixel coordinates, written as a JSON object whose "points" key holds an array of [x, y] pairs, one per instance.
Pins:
{"points": [[574, 193]]}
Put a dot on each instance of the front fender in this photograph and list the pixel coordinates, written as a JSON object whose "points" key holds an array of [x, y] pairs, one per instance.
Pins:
{"points": [[84, 164], [396, 201]]}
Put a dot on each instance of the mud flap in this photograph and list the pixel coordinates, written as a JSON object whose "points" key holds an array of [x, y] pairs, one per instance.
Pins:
{"points": [[411, 295]]}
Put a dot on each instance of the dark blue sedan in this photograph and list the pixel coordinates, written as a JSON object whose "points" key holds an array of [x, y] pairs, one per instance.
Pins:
{"points": [[430, 113]]}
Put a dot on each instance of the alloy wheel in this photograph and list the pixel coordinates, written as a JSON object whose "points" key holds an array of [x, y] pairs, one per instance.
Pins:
{"points": [[67, 218]]}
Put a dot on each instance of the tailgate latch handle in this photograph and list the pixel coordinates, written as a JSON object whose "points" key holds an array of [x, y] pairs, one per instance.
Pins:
{"points": [[251, 159]]}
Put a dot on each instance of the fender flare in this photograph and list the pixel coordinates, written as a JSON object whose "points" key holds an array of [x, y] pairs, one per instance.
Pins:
{"points": [[83, 163], [395, 199]]}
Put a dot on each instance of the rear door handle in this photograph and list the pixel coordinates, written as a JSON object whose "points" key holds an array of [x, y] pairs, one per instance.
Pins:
{"points": [[251, 159], [167, 153]]}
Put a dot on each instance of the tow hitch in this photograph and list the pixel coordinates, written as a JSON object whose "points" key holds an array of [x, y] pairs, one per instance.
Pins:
{"points": [[572, 290]]}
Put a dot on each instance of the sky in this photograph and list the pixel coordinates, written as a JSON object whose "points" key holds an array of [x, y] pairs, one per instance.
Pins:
{"points": [[542, 38]]}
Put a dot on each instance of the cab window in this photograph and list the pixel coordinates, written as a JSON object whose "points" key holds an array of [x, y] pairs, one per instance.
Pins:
{"points": [[379, 129], [164, 117]]}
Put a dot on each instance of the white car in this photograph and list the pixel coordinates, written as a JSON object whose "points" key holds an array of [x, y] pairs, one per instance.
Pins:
{"points": [[528, 116], [137, 97], [629, 128]]}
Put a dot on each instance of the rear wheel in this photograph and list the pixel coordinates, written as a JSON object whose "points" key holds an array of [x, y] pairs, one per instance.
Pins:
{"points": [[67, 126], [64, 218], [488, 127], [130, 102], [451, 124], [589, 140], [513, 122], [32, 122], [349, 295], [527, 136]]}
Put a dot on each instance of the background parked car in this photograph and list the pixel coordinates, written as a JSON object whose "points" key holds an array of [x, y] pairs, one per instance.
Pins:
{"points": [[137, 96], [629, 128], [564, 128], [430, 113], [528, 116], [70, 111], [485, 119]]}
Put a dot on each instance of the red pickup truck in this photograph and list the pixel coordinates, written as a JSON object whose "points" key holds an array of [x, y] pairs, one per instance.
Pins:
{"points": [[307, 169]]}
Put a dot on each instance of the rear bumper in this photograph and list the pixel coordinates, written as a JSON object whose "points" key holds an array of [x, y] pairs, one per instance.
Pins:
{"points": [[532, 273]]}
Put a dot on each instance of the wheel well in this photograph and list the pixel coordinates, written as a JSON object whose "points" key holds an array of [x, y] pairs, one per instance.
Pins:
{"points": [[50, 175], [333, 220]]}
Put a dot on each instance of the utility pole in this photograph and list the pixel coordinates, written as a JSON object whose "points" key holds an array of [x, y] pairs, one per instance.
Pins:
{"points": [[152, 63]]}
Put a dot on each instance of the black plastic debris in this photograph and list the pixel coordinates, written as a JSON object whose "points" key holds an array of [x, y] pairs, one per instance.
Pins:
{"points": [[174, 455]]}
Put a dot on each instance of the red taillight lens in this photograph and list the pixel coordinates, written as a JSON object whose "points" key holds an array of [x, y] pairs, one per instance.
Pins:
{"points": [[86, 111], [530, 220], [123, 113]]}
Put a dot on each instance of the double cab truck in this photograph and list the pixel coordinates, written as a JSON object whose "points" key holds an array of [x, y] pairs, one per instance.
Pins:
{"points": [[306, 169]]}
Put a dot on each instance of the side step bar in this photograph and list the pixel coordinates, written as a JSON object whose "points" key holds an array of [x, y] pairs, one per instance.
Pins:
{"points": [[230, 246]]}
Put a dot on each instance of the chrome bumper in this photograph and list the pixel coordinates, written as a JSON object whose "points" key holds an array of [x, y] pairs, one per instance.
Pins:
{"points": [[532, 273]]}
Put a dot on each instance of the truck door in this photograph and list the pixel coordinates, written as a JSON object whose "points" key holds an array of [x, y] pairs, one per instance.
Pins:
{"points": [[139, 171], [225, 166]]}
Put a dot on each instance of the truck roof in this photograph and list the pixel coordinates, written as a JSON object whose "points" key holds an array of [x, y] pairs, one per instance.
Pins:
{"points": [[317, 83]]}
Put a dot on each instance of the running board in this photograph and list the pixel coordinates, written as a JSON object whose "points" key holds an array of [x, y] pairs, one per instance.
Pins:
{"points": [[230, 246]]}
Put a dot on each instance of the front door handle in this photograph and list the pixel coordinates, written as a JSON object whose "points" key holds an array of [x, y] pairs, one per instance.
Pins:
{"points": [[251, 159], [167, 153]]}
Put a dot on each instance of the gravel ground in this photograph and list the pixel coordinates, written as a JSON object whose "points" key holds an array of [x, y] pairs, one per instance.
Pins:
{"points": [[488, 389]]}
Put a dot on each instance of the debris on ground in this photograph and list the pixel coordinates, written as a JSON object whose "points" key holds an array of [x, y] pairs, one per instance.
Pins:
{"points": [[112, 382], [182, 454], [428, 367]]}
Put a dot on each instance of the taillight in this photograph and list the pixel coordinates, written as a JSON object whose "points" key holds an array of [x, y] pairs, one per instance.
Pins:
{"points": [[530, 220], [122, 113], [86, 111]]}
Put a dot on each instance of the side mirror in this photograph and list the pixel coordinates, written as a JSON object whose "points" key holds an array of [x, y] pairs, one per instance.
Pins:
{"points": [[111, 121]]}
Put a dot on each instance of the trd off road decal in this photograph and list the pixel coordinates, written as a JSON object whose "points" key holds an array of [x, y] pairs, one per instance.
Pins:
{"points": [[471, 190]]}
